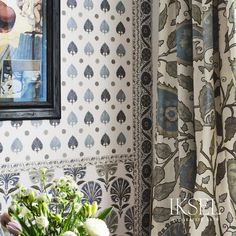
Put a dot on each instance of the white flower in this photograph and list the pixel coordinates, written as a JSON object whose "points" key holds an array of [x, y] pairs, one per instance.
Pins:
{"points": [[42, 222], [24, 212], [69, 233], [96, 227], [19, 185], [77, 207], [42, 197], [43, 171], [79, 194], [63, 195], [13, 207]]}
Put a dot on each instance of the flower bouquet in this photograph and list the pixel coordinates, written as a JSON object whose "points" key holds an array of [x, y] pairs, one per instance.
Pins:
{"points": [[55, 210]]}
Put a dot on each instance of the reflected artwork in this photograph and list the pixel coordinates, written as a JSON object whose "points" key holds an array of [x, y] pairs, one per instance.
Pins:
{"points": [[23, 51]]}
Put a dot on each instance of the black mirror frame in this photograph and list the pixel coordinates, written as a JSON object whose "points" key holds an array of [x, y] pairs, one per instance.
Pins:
{"points": [[50, 109]]}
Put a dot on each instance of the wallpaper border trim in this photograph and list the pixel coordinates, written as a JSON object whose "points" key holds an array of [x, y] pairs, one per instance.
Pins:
{"points": [[16, 167], [143, 138]]}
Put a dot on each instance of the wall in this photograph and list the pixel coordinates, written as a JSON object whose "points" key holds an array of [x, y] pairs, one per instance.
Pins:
{"points": [[104, 136]]}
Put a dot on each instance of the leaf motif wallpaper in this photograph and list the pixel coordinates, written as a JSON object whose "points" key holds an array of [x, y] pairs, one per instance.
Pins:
{"points": [[104, 138]]}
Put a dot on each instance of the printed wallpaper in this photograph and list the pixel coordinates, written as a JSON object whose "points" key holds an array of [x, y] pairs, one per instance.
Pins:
{"points": [[104, 137]]}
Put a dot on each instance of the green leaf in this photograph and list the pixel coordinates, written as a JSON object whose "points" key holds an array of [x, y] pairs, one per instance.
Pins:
{"points": [[67, 222], [104, 213], [25, 228], [33, 228]]}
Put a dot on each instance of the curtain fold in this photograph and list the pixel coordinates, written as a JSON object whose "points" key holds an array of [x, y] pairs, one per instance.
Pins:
{"points": [[194, 175]]}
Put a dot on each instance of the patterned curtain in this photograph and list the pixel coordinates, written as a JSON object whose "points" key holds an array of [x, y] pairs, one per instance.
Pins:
{"points": [[194, 180]]}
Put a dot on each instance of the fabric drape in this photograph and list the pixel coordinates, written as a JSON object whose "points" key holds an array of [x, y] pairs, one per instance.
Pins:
{"points": [[194, 175]]}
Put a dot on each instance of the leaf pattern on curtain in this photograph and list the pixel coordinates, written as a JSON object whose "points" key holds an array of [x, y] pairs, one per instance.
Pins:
{"points": [[194, 175]]}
